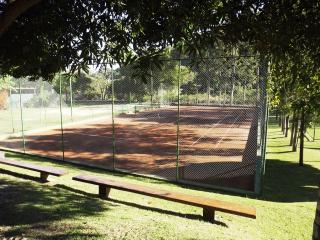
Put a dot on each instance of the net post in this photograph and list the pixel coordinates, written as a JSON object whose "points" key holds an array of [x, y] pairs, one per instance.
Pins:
{"points": [[21, 118], [113, 127], [178, 122], [61, 117]]}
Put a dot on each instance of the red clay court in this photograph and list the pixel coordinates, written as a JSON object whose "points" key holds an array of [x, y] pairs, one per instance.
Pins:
{"points": [[217, 145]]}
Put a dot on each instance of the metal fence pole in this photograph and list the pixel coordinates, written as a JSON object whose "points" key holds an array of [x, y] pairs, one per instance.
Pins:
{"points": [[21, 118], [41, 99], [61, 117], [265, 137], [11, 111], [113, 127], [262, 77], [152, 93], [178, 122], [71, 97]]}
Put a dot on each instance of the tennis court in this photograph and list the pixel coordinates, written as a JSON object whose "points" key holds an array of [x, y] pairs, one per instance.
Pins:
{"points": [[198, 124], [217, 145]]}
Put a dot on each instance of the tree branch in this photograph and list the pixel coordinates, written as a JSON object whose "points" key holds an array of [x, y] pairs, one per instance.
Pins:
{"points": [[13, 11]]}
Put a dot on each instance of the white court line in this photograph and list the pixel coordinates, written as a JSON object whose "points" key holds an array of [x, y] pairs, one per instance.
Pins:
{"points": [[229, 128], [205, 134]]}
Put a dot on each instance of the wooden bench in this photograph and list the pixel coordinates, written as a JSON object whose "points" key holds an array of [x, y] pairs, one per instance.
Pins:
{"points": [[209, 205], [44, 171]]}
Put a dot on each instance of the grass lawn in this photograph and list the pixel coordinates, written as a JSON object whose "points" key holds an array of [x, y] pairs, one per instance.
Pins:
{"points": [[70, 210], [35, 118]]}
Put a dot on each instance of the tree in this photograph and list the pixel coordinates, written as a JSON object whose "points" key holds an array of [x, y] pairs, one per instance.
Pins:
{"points": [[296, 88], [101, 83], [13, 10], [5, 84], [96, 31], [57, 34]]}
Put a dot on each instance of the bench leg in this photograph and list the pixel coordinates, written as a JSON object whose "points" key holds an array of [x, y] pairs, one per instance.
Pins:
{"points": [[44, 177], [104, 192], [208, 214]]}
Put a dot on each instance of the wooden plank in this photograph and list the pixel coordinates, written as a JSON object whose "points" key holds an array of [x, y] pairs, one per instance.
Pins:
{"points": [[42, 169], [202, 202]]}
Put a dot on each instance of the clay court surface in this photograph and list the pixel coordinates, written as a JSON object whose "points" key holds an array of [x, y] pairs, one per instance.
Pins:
{"points": [[217, 145]]}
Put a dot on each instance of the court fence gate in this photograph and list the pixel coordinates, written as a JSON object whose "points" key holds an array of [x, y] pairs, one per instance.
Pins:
{"points": [[202, 124]]}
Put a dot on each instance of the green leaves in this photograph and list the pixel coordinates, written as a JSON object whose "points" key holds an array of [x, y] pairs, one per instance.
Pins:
{"points": [[6, 83], [56, 35]]}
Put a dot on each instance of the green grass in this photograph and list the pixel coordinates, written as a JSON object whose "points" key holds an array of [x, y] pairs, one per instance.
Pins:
{"points": [[36, 118], [70, 210]]}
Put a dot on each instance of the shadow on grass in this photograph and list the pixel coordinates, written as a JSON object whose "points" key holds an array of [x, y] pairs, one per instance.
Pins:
{"points": [[68, 165], [278, 146], [288, 182], [289, 151], [25, 206], [313, 148], [20, 175], [135, 205], [284, 181]]}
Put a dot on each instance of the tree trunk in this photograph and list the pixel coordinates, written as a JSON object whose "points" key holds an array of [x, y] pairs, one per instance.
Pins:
{"points": [[3, 99], [294, 143], [208, 91], [316, 223], [283, 123], [292, 129], [302, 126], [244, 93], [232, 93], [13, 11], [280, 121], [233, 81], [287, 126]]}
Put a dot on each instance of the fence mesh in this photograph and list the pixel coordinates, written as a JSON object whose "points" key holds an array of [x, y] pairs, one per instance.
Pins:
{"points": [[199, 123]]}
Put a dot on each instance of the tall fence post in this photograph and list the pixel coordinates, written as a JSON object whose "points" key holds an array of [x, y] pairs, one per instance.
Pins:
{"points": [[11, 110], [178, 122], [113, 127], [265, 137], [151, 80], [21, 118], [61, 116], [71, 98], [262, 114]]}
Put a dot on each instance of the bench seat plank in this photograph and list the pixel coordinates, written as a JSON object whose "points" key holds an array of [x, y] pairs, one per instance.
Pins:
{"points": [[42, 169], [205, 203]]}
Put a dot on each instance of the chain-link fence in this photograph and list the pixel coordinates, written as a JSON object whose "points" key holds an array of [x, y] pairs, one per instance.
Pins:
{"points": [[200, 123]]}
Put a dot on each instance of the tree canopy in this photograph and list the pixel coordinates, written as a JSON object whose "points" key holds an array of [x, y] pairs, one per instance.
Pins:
{"points": [[56, 34], [39, 38]]}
